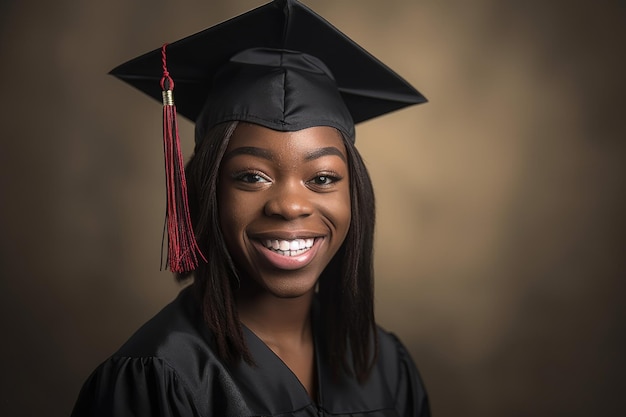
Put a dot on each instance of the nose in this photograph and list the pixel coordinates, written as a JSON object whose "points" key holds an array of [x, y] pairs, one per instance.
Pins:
{"points": [[289, 201]]}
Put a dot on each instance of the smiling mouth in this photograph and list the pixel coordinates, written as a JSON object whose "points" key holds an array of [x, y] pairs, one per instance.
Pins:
{"points": [[293, 247]]}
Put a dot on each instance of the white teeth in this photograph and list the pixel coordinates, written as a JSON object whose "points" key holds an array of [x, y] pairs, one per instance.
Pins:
{"points": [[289, 247]]}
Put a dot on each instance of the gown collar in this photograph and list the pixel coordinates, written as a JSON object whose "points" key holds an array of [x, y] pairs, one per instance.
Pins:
{"points": [[271, 388]]}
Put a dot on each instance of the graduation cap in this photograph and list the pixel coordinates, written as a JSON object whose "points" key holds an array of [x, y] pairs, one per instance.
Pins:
{"points": [[281, 66]]}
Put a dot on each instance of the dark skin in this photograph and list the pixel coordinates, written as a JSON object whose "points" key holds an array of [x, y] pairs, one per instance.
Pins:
{"points": [[285, 327], [284, 205]]}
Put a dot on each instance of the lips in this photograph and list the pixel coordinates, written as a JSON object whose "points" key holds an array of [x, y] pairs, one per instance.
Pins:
{"points": [[288, 254]]}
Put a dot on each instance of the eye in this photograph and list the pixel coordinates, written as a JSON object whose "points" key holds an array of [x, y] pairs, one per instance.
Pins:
{"points": [[251, 178], [324, 181]]}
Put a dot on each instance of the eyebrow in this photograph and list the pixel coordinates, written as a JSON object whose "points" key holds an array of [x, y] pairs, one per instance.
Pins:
{"points": [[266, 154], [327, 151], [250, 150]]}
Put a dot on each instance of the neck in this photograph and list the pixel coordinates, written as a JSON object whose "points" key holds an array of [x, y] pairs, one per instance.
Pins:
{"points": [[276, 319], [284, 325]]}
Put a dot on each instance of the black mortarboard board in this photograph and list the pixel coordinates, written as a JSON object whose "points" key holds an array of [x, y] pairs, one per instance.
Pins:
{"points": [[280, 66], [368, 87]]}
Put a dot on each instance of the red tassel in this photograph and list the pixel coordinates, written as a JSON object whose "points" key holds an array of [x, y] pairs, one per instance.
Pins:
{"points": [[182, 248]]}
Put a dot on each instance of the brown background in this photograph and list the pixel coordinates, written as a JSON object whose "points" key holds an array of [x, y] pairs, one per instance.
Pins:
{"points": [[501, 234]]}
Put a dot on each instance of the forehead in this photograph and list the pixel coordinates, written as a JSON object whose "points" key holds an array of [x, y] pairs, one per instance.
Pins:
{"points": [[286, 144]]}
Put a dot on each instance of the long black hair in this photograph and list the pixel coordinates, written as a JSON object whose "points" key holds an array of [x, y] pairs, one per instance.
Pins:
{"points": [[346, 287]]}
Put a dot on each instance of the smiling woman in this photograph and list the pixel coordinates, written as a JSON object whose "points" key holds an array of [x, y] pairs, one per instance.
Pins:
{"points": [[286, 191], [273, 220]]}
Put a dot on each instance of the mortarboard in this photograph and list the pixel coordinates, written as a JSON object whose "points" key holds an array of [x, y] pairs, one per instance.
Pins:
{"points": [[281, 66]]}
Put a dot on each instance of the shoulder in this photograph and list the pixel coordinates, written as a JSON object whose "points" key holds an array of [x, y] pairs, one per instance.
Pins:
{"points": [[391, 352], [121, 385], [169, 360], [177, 325], [397, 367], [175, 344]]}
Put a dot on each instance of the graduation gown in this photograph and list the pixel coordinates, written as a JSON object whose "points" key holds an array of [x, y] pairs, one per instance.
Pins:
{"points": [[168, 368]]}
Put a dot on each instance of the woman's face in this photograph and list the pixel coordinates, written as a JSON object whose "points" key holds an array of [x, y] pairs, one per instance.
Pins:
{"points": [[284, 204]]}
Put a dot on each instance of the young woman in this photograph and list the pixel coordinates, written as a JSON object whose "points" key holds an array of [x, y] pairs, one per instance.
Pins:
{"points": [[279, 318]]}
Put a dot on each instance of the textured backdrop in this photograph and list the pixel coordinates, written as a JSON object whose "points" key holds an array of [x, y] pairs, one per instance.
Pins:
{"points": [[501, 235]]}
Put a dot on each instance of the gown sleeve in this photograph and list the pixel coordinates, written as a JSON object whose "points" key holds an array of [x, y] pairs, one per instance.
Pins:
{"points": [[125, 387], [411, 396]]}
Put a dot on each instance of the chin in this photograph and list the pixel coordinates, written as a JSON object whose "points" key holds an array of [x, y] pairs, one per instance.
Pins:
{"points": [[290, 287], [291, 291]]}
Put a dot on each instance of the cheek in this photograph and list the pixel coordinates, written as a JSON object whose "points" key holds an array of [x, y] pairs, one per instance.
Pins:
{"points": [[230, 212], [237, 210], [338, 210], [346, 214]]}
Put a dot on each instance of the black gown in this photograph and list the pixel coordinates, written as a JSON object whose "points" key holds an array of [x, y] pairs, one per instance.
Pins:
{"points": [[168, 369]]}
